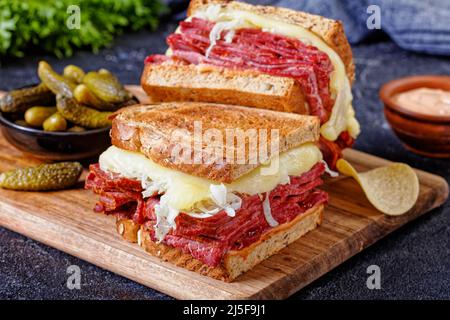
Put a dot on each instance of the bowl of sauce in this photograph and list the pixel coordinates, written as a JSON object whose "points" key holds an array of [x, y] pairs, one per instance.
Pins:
{"points": [[418, 110]]}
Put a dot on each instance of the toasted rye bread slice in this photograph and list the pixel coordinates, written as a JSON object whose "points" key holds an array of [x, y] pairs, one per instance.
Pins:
{"points": [[170, 82], [331, 31], [159, 131], [235, 262]]}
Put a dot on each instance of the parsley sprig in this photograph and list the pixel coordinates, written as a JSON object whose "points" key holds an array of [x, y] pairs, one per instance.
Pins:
{"points": [[42, 24]]}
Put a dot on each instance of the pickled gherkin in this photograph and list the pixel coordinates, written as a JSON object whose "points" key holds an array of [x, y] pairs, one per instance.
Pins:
{"points": [[44, 177], [54, 81], [73, 73], [21, 99], [106, 86], [81, 115], [84, 96]]}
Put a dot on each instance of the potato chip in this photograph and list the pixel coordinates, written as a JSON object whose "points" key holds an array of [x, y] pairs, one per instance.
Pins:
{"points": [[393, 189]]}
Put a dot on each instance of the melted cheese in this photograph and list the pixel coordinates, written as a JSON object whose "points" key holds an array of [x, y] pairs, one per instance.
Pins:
{"points": [[342, 117], [182, 191]]}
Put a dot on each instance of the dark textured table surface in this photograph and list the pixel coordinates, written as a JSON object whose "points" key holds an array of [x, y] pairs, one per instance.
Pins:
{"points": [[414, 260]]}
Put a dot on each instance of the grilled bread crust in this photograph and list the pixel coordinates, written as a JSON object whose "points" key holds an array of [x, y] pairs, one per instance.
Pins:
{"points": [[235, 262], [160, 131], [202, 83]]}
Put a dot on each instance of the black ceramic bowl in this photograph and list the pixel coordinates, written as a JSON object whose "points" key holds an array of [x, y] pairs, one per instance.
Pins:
{"points": [[59, 146]]}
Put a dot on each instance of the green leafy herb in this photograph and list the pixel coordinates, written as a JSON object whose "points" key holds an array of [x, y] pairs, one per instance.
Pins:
{"points": [[43, 24]]}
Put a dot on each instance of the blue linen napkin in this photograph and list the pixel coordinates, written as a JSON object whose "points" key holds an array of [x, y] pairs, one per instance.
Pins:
{"points": [[417, 25]]}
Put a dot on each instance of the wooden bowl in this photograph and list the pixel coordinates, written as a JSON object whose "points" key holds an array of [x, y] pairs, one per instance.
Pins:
{"points": [[427, 135]]}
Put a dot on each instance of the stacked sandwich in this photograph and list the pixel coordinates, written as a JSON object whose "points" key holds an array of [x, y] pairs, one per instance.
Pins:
{"points": [[187, 194]]}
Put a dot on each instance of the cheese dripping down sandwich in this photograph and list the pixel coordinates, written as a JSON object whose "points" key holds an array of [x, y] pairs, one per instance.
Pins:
{"points": [[260, 56], [222, 217]]}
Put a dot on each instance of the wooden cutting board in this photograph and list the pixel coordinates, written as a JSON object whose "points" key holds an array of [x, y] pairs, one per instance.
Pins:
{"points": [[65, 220]]}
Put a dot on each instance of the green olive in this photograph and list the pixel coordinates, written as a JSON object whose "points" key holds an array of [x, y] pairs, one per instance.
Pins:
{"points": [[35, 116], [55, 122]]}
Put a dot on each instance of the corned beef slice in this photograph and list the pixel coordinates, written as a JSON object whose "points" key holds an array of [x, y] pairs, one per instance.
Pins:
{"points": [[210, 238]]}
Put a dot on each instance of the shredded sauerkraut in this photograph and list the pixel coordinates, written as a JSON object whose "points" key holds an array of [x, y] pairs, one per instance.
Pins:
{"points": [[216, 32], [225, 200], [268, 212], [165, 219], [166, 215], [330, 172]]}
